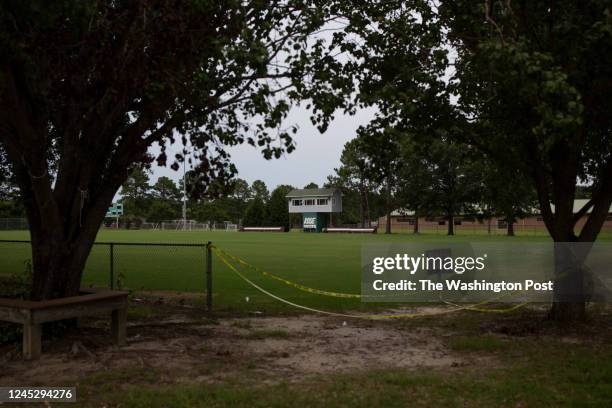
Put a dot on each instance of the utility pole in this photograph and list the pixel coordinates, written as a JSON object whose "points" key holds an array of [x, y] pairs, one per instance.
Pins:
{"points": [[184, 191]]}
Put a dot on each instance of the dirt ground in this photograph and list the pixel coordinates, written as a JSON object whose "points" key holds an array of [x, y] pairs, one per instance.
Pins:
{"points": [[186, 345], [175, 350], [182, 344]]}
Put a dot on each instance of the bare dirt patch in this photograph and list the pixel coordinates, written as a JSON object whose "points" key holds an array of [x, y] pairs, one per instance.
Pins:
{"points": [[314, 344], [184, 345], [164, 295]]}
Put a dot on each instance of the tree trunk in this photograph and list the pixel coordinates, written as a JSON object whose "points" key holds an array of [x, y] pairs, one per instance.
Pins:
{"points": [[510, 226], [369, 221], [451, 224], [361, 211], [569, 301], [58, 267], [566, 312], [570, 295], [60, 250], [416, 222], [489, 226], [388, 205], [63, 230]]}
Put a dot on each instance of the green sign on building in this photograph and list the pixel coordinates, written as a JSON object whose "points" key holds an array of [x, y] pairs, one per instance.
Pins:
{"points": [[314, 222], [316, 206]]}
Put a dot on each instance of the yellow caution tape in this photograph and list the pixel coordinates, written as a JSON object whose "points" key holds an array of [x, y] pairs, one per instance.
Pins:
{"points": [[334, 294], [220, 255], [286, 281], [475, 308]]}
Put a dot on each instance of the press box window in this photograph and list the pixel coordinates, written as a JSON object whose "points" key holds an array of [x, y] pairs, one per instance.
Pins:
{"points": [[297, 203], [322, 201], [309, 202]]}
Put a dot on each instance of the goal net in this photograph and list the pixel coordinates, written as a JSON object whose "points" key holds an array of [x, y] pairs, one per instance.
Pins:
{"points": [[181, 225]]}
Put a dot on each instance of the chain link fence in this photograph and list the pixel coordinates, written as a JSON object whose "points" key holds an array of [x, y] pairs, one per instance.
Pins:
{"points": [[8, 224], [155, 267], [169, 225]]}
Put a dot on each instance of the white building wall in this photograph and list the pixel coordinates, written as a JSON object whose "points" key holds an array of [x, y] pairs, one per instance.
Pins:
{"points": [[311, 208], [334, 204]]}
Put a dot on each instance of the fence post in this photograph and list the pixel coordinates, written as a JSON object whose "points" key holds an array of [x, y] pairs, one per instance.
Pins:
{"points": [[112, 266], [209, 300]]}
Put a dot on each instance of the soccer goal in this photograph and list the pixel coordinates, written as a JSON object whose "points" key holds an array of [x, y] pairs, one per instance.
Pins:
{"points": [[224, 226], [184, 225], [150, 226]]}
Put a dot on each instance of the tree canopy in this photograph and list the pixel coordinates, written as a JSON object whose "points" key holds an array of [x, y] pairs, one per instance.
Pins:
{"points": [[473, 91], [534, 79], [87, 87], [278, 209], [526, 83]]}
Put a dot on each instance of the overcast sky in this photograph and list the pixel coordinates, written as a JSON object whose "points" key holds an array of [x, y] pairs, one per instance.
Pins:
{"points": [[316, 154], [314, 159]]}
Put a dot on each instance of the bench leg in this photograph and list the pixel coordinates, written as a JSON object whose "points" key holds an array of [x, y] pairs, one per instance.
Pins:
{"points": [[119, 321], [31, 341]]}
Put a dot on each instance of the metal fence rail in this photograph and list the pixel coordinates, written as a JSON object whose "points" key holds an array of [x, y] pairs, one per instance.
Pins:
{"points": [[8, 224], [134, 265]]}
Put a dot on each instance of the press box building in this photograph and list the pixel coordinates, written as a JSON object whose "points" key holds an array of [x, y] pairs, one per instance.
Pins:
{"points": [[316, 206]]}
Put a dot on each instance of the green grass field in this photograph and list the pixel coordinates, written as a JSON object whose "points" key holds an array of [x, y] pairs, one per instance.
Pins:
{"points": [[513, 359], [325, 261]]}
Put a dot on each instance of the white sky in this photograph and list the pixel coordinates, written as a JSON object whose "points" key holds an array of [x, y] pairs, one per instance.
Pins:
{"points": [[316, 154], [315, 157]]}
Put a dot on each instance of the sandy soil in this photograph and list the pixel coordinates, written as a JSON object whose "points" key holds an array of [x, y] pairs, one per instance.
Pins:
{"points": [[187, 347]]}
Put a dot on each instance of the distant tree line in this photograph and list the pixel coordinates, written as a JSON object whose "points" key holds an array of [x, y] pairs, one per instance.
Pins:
{"points": [[239, 202], [433, 179], [10, 204], [440, 180]]}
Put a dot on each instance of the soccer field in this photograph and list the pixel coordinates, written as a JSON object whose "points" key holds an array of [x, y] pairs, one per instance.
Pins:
{"points": [[324, 261]]}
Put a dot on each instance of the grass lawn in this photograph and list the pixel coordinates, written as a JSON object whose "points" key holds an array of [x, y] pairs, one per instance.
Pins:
{"points": [[514, 359], [508, 361], [577, 379], [326, 261]]}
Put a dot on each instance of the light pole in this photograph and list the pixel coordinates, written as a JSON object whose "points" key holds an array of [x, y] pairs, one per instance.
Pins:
{"points": [[184, 192]]}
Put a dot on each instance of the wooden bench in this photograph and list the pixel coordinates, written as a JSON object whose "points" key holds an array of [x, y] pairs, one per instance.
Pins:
{"points": [[31, 314]]}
